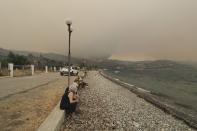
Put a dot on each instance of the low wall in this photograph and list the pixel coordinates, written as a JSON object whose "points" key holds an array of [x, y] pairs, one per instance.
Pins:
{"points": [[54, 121]]}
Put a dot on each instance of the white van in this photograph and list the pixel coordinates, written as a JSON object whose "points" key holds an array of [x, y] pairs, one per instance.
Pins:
{"points": [[73, 71]]}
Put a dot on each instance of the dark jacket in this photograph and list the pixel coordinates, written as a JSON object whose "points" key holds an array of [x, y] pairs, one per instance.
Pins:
{"points": [[65, 102]]}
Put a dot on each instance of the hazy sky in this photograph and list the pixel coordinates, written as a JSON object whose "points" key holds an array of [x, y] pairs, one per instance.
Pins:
{"points": [[121, 29]]}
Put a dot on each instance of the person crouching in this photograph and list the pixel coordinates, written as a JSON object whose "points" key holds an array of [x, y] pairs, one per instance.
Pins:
{"points": [[70, 99], [73, 99]]}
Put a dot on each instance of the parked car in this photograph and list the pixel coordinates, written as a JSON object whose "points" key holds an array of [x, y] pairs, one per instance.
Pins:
{"points": [[73, 71]]}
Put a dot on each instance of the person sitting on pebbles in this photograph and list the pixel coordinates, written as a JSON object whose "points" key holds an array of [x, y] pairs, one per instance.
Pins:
{"points": [[70, 99], [80, 82]]}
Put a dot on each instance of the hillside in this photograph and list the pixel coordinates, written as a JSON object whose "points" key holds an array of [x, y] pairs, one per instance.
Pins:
{"points": [[50, 56]]}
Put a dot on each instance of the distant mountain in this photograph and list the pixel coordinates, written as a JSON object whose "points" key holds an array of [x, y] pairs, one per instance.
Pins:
{"points": [[3, 53], [62, 58], [51, 56], [103, 62]]}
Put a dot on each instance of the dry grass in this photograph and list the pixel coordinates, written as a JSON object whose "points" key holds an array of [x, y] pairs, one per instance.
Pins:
{"points": [[4, 72], [27, 111], [18, 73]]}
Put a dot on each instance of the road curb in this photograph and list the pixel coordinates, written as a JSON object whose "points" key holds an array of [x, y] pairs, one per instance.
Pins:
{"points": [[54, 120]]}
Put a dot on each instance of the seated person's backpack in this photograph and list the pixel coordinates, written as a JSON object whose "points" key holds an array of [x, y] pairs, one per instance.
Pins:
{"points": [[65, 100]]}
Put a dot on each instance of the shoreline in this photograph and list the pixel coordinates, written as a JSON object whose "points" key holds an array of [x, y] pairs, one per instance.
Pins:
{"points": [[105, 105], [151, 98]]}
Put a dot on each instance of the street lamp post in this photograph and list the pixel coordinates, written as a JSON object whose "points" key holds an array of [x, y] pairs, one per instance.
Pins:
{"points": [[70, 30]]}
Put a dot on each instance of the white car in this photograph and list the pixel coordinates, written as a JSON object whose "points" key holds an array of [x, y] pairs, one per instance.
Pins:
{"points": [[73, 71]]}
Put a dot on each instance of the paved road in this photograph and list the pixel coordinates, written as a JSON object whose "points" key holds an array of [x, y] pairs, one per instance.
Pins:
{"points": [[12, 86]]}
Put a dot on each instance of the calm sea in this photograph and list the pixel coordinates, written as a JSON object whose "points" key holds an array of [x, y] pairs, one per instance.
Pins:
{"points": [[177, 90]]}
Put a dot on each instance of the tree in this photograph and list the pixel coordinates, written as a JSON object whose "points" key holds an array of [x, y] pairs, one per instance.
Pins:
{"points": [[4, 63], [21, 60], [17, 59], [11, 57]]}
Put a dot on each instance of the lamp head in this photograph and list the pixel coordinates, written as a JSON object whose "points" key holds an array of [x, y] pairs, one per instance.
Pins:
{"points": [[69, 22]]}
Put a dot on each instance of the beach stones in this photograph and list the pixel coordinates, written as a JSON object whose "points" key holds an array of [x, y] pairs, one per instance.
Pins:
{"points": [[108, 106]]}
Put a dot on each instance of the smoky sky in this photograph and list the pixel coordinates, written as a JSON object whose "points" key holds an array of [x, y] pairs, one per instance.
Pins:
{"points": [[119, 29]]}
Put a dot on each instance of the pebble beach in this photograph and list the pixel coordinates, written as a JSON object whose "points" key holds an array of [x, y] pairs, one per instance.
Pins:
{"points": [[105, 105]]}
